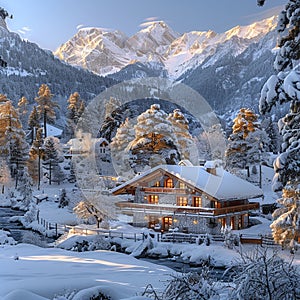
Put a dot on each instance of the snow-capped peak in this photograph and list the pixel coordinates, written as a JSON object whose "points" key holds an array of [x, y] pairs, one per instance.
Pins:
{"points": [[107, 51]]}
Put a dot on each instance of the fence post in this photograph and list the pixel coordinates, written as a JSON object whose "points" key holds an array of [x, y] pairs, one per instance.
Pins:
{"points": [[135, 237], [56, 234], [122, 236]]}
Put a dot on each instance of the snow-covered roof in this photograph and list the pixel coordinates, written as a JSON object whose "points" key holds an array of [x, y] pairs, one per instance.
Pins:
{"points": [[52, 130], [222, 186]]}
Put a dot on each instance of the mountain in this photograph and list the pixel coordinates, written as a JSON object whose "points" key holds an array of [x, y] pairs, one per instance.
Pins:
{"points": [[107, 52], [28, 66]]}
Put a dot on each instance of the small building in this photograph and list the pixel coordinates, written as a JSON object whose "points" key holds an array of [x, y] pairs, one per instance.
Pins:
{"points": [[196, 199]]}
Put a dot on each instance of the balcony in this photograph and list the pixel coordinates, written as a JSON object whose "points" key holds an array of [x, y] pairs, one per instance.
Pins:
{"points": [[160, 190], [171, 209]]}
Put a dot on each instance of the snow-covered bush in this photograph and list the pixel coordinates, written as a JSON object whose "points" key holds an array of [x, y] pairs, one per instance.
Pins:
{"points": [[99, 243], [30, 237], [191, 286], [262, 275], [31, 214], [6, 239]]}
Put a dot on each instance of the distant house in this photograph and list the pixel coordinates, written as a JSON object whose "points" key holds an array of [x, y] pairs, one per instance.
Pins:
{"points": [[191, 198], [86, 144]]}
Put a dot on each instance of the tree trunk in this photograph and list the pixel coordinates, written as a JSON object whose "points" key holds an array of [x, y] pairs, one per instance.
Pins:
{"points": [[45, 124]]}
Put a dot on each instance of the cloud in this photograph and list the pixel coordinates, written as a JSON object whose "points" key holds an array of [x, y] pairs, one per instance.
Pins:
{"points": [[149, 21], [79, 26], [24, 30]]}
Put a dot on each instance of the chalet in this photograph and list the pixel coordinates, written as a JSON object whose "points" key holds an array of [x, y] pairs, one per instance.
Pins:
{"points": [[197, 199], [86, 144]]}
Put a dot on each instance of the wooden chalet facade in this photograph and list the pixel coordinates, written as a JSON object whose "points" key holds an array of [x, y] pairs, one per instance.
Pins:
{"points": [[192, 199]]}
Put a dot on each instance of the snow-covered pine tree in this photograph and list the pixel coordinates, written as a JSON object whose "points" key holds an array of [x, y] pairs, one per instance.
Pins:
{"points": [[246, 143], [33, 123], [45, 106], [285, 88], [124, 135], [51, 159], [5, 178], [181, 130], [155, 141], [25, 188]]}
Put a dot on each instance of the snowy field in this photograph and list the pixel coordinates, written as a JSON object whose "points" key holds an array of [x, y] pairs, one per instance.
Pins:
{"points": [[28, 272]]}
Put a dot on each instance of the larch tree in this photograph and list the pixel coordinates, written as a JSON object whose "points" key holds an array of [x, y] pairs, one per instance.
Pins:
{"points": [[22, 108], [33, 123], [111, 105], [35, 156], [75, 110], [5, 178], [284, 87], [13, 144], [45, 106], [246, 143]]}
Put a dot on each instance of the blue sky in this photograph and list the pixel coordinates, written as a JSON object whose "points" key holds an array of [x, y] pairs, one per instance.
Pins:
{"points": [[49, 23]]}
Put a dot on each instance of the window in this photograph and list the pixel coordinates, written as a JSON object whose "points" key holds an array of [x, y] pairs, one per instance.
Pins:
{"points": [[157, 184], [182, 185], [167, 223], [182, 201], [197, 202], [153, 199], [169, 183]]}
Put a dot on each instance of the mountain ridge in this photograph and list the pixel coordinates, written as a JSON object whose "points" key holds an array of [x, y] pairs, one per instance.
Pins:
{"points": [[107, 52]]}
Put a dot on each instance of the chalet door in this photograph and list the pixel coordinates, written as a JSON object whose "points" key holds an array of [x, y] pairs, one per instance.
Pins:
{"points": [[167, 223]]}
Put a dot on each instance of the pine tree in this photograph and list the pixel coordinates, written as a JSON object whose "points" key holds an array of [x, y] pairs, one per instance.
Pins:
{"points": [[45, 106], [245, 144], [51, 159], [4, 174], [155, 141], [181, 130], [25, 188], [63, 199], [285, 88], [33, 123], [124, 135]]}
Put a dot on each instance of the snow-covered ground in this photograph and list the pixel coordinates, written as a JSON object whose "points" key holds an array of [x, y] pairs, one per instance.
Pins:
{"points": [[31, 272]]}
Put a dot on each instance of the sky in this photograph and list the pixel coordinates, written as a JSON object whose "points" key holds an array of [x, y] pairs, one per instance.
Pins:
{"points": [[50, 23]]}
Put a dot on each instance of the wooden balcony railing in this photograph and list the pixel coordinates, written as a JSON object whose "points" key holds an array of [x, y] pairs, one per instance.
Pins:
{"points": [[164, 190], [130, 206]]}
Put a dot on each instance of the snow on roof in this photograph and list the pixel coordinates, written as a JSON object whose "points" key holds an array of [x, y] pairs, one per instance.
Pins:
{"points": [[52, 130], [222, 186]]}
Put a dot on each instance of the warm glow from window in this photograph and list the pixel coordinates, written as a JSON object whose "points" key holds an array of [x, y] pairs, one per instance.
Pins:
{"points": [[157, 184], [169, 183], [182, 201], [197, 201], [182, 185], [153, 199]]}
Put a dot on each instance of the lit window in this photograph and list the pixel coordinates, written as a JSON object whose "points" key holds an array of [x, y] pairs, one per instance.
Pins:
{"points": [[181, 185], [169, 183], [153, 199], [197, 201], [182, 201], [157, 184]]}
